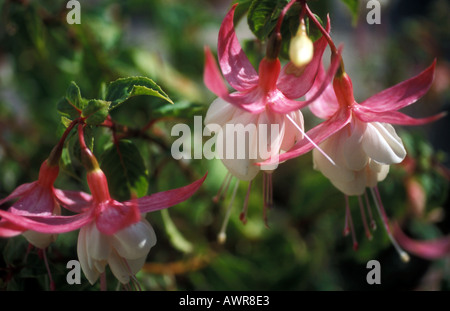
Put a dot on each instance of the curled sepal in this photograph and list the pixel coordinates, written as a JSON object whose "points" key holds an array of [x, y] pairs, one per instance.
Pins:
{"points": [[165, 199]]}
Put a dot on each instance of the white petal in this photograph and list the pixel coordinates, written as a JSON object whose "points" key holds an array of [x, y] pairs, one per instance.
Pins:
{"points": [[220, 112], [98, 245], [382, 143], [292, 134], [355, 186], [332, 146], [242, 169], [237, 147], [119, 267], [347, 180], [39, 240], [379, 170], [89, 271], [270, 132], [134, 241], [353, 152], [136, 264]]}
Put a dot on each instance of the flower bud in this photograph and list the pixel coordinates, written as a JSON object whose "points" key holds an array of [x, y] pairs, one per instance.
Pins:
{"points": [[98, 185], [301, 49]]}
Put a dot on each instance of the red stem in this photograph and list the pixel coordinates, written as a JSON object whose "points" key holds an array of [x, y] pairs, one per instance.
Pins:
{"points": [[81, 136], [322, 30], [281, 17], [55, 155]]}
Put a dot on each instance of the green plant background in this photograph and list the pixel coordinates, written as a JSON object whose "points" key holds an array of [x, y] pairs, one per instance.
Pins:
{"points": [[303, 248]]}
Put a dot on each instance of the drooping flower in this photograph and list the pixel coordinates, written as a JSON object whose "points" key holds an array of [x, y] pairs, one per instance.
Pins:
{"points": [[359, 137], [430, 249], [112, 232], [369, 134], [261, 100], [118, 234], [36, 198]]}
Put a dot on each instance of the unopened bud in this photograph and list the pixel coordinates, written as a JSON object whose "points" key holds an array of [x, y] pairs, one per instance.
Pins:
{"points": [[301, 49], [89, 161]]}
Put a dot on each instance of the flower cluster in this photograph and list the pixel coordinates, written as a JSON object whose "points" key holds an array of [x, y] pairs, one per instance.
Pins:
{"points": [[353, 147], [110, 232]]}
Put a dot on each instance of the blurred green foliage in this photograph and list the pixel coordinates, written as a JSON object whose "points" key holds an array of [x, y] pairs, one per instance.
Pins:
{"points": [[303, 248]]}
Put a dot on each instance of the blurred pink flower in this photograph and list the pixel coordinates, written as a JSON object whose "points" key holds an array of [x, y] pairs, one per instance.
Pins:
{"points": [[34, 199], [428, 249]]}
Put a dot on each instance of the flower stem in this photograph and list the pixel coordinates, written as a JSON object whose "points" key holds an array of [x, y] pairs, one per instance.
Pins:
{"points": [[55, 154], [282, 14], [334, 50], [274, 44], [87, 157], [322, 30]]}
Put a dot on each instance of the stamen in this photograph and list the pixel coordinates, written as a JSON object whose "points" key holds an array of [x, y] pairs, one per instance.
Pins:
{"points": [[52, 284], [127, 287], [377, 198], [134, 280], [270, 188], [103, 286], [225, 183], [373, 224], [363, 216], [29, 249], [350, 221], [266, 197], [346, 230], [311, 141], [222, 236], [243, 215]]}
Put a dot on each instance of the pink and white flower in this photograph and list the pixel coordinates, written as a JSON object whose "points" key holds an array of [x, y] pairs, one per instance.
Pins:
{"points": [[261, 99], [34, 199], [359, 137], [111, 232]]}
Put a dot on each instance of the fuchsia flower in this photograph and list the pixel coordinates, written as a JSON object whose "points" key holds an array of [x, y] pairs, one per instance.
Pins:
{"points": [[112, 232], [428, 249], [117, 234], [274, 89], [264, 98], [36, 198], [360, 138]]}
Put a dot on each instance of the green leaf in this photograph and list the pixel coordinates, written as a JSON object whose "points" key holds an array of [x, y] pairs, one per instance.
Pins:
{"points": [[353, 6], [122, 89], [262, 16], [96, 111], [125, 169], [71, 105], [65, 121], [183, 109], [241, 9], [66, 109], [73, 95]]}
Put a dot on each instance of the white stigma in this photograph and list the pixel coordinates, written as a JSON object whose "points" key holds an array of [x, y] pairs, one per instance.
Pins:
{"points": [[311, 141]]}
